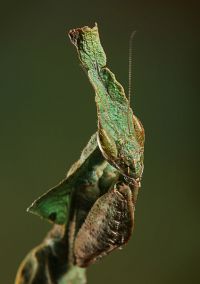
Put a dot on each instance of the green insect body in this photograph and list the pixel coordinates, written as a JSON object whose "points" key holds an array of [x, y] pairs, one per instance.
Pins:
{"points": [[121, 140], [85, 173], [93, 207]]}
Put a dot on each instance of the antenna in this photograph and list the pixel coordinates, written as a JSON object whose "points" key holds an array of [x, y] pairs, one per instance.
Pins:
{"points": [[130, 62]]}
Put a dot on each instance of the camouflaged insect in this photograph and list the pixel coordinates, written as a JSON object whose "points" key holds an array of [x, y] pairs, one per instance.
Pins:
{"points": [[93, 207]]}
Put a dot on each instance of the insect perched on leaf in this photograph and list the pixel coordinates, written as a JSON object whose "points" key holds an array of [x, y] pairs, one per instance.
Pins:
{"points": [[93, 207]]}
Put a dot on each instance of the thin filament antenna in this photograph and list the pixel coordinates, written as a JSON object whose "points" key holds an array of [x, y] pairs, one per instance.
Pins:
{"points": [[130, 63]]}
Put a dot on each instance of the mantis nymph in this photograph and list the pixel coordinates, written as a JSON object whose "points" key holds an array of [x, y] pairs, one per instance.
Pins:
{"points": [[93, 207]]}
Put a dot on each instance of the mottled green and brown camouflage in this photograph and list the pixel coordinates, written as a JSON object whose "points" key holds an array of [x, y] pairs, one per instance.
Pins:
{"points": [[93, 207]]}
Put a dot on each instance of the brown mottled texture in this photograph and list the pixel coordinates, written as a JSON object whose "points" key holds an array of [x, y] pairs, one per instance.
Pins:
{"points": [[94, 205], [108, 225], [45, 263], [49, 262]]}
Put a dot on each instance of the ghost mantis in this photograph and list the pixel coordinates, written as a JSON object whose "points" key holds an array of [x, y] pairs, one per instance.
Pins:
{"points": [[92, 209]]}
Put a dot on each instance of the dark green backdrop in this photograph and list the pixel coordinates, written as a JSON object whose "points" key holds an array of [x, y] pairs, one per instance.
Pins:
{"points": [[47, 114]]}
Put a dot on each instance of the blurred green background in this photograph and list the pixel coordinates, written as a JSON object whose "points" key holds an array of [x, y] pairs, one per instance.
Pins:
{"points": [[47, 114]]}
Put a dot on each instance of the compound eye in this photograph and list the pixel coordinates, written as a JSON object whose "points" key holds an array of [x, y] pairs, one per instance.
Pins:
{"points": [[52, 216]]}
